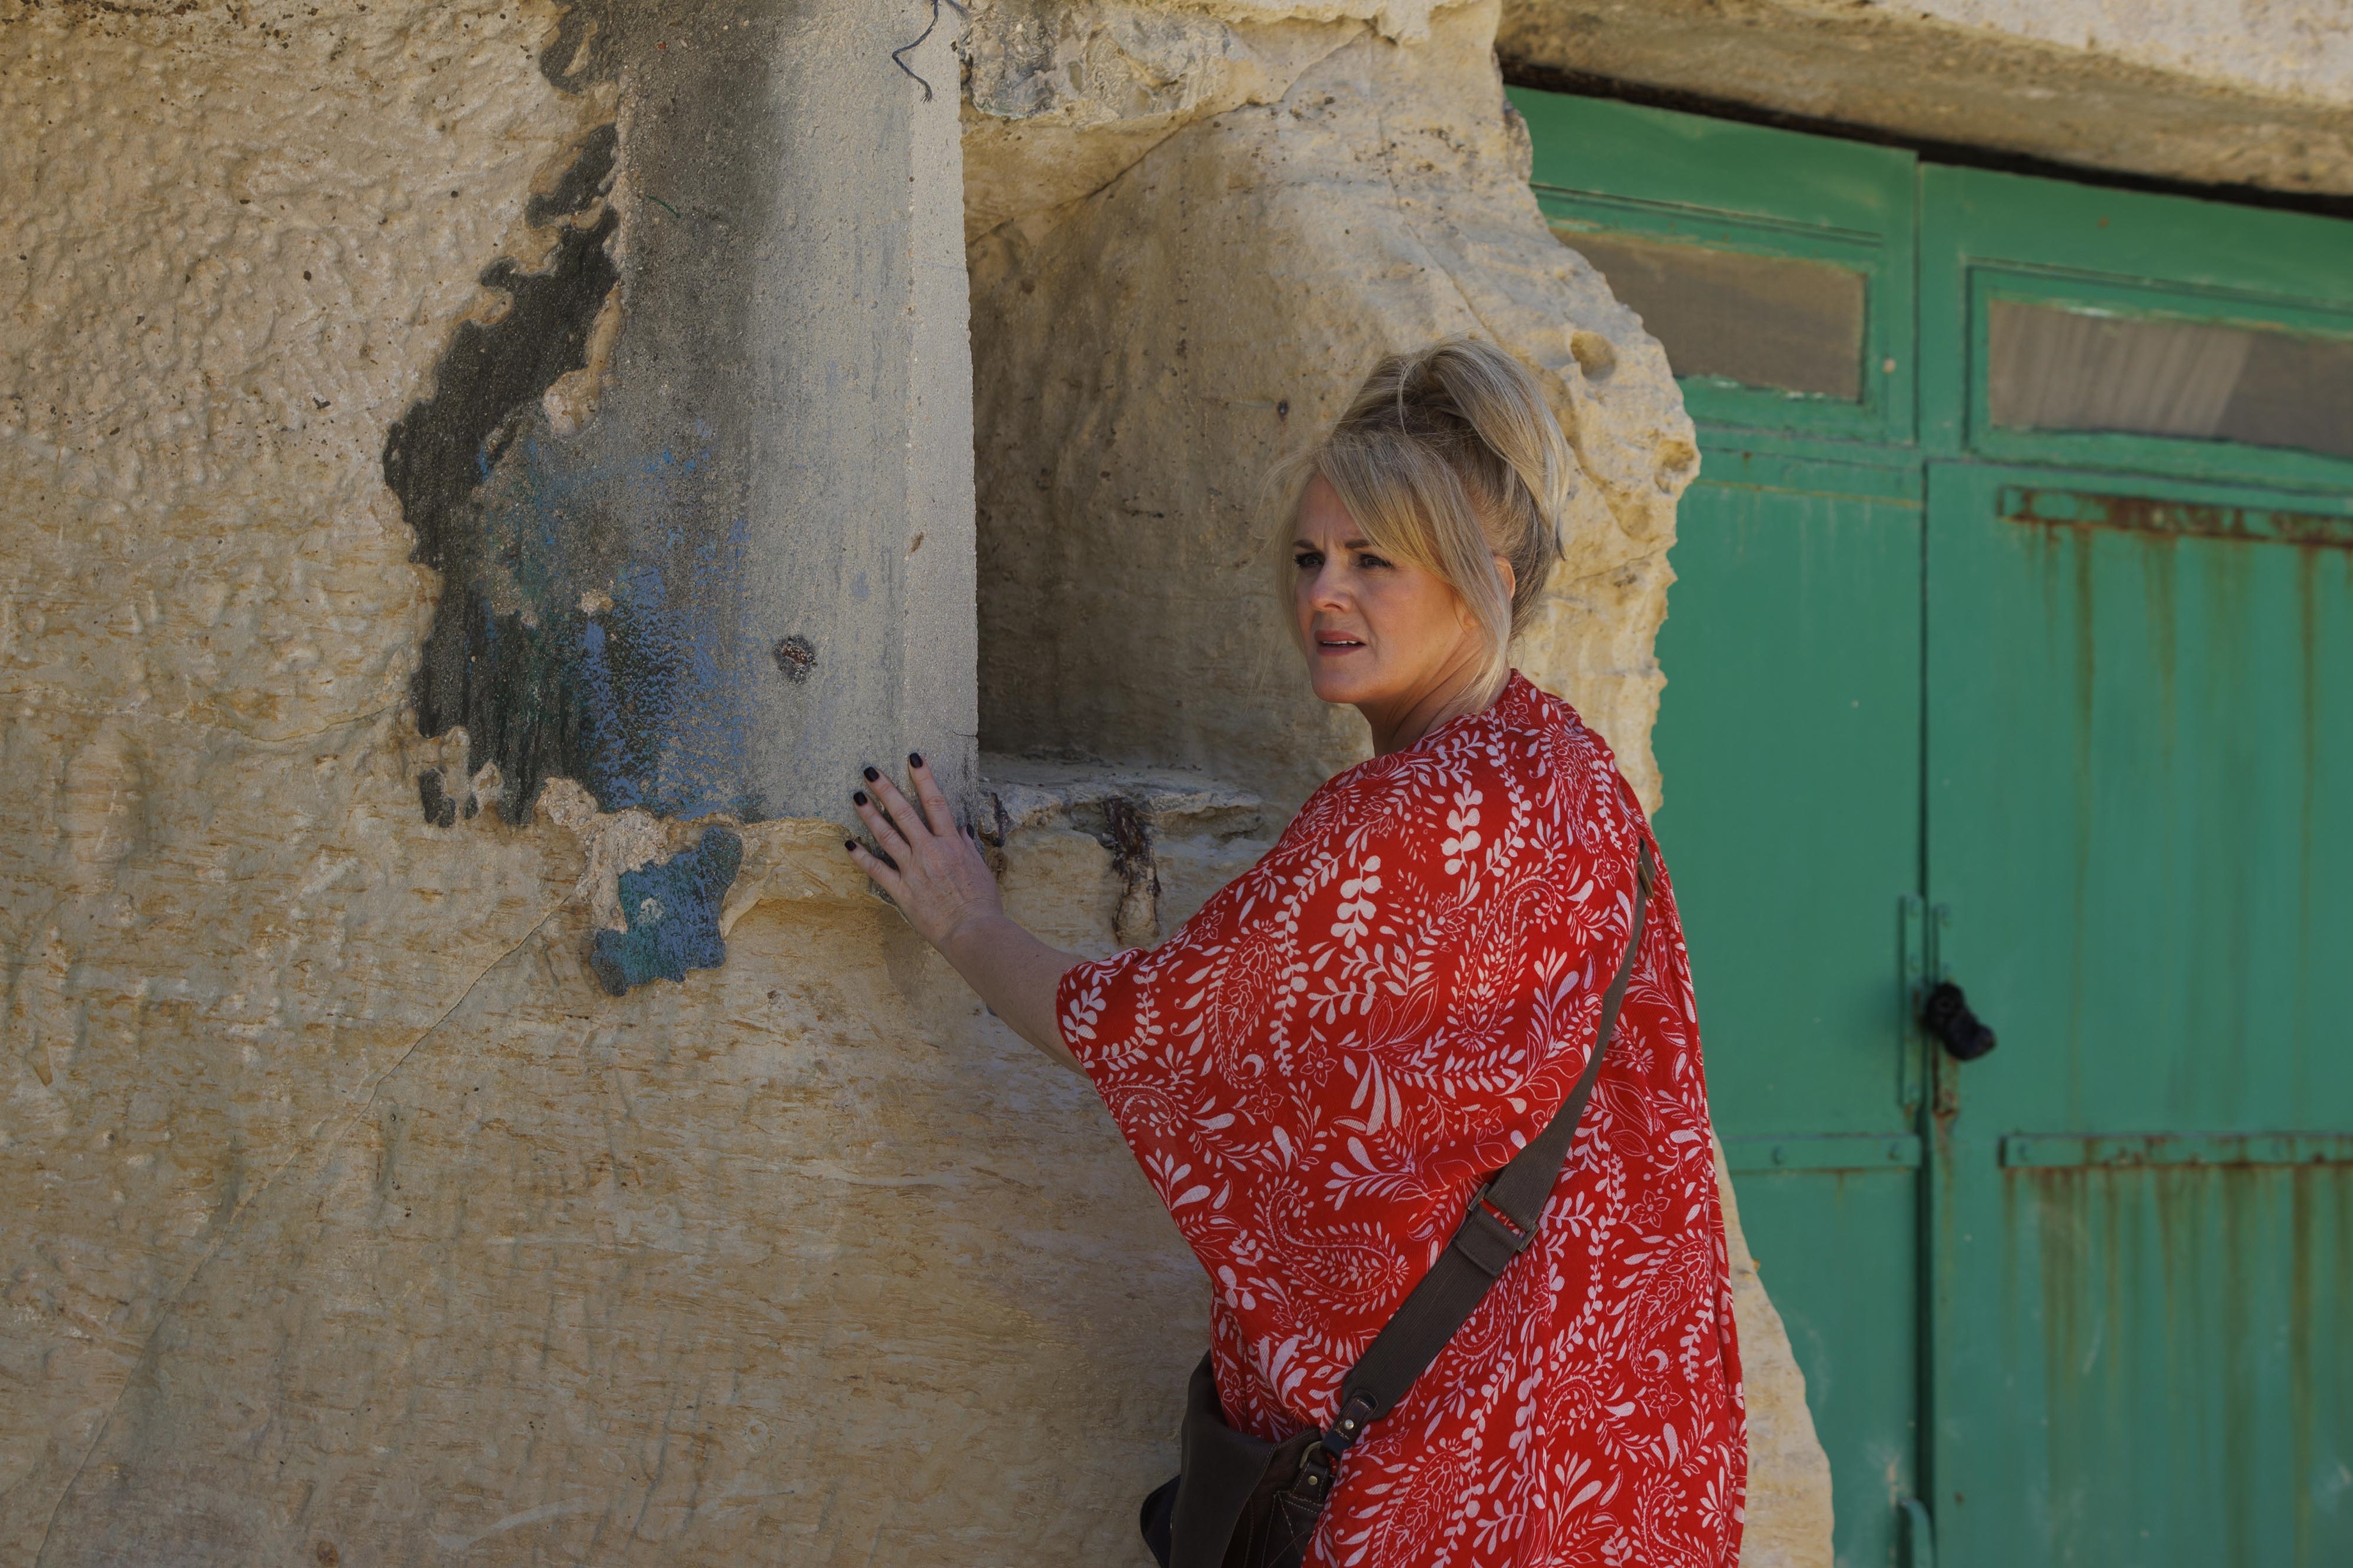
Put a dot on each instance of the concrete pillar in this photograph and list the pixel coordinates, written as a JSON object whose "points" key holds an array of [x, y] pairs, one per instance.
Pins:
{"points": [[702, 497]]}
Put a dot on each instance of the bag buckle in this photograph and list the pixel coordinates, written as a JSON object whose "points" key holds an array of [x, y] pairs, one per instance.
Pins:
{"points": [[1314, 1478], [1497, 1225]]}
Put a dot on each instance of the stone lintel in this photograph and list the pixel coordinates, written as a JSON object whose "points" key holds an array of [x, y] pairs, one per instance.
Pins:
{"points": [[2212, 101]]}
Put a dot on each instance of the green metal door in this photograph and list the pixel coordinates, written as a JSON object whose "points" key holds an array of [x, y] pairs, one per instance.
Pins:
{"points": [[2012, 643], [2140, 731], [2143, 1231]]}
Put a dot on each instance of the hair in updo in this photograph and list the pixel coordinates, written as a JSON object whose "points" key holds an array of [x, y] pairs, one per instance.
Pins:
{"points": [[1449, 457]]}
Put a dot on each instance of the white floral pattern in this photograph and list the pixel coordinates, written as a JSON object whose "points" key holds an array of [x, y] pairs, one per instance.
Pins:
{"points": [[1317, 1070]]}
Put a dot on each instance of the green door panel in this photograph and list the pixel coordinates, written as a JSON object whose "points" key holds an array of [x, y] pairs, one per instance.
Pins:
{"points": [[1789, 731], [1835, 1250], [2139, 737], [1987, 237]]}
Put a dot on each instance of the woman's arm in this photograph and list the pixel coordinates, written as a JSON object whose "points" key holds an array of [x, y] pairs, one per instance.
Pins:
{"points": [[936, 877]]}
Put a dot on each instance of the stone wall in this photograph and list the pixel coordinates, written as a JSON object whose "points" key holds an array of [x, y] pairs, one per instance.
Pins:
{"points": [[352, 1216]]}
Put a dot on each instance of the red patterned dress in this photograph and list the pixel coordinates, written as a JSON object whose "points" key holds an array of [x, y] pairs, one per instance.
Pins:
{"points": [[1316, 1071]]}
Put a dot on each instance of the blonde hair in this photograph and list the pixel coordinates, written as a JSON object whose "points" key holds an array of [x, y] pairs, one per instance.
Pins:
{"points": [[1449, 457]]}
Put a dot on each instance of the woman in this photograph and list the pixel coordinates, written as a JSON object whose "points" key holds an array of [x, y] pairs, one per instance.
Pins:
{"points": [[1320, 1068]]}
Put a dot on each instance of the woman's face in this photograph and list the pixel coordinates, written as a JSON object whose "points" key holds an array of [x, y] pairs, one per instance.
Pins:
{"points": [[1379, 633]]}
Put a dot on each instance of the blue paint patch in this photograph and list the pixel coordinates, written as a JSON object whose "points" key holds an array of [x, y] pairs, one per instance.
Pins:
{"points": [[672, 909]]}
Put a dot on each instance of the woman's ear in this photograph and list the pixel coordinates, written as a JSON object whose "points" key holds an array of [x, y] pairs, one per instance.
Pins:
{"points": [[1511, 579]]}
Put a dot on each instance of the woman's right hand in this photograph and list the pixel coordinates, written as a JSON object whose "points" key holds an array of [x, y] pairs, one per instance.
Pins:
{"points": [[935, 872], [939, 881]]}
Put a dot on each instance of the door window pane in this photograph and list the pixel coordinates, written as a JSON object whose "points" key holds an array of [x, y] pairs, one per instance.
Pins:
{"points": [[1768, 321], [2051, 367]]}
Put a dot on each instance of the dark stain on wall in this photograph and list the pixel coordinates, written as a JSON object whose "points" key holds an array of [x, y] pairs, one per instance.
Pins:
{"points": [[593, 548], [501, 656], [586, 45], [593, 552], [583, 183]]}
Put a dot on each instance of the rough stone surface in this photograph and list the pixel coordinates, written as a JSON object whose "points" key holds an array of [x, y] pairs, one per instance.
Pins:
{"points": [[350, 1220], [1145, 352], [2225, 92], [224, 917]]}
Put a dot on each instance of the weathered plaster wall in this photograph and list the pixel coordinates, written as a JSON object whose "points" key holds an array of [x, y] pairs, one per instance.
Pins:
{"points": [[654, 482], [1292, 202], [2230, 92]]}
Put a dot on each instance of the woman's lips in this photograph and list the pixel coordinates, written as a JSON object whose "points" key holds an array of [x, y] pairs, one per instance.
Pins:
{"points": [[1336, 645]]}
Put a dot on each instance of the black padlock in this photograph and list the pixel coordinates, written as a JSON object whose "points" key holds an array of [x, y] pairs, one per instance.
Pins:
{"points": [[1945, 1013]]}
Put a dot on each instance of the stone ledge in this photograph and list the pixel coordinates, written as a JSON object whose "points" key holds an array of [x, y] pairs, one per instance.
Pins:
{"points": [[1030, 792], [1170, 839]]}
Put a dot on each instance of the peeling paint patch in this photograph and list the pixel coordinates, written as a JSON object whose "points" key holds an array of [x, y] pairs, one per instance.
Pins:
{"points": [[673, 908], [592, 548]]}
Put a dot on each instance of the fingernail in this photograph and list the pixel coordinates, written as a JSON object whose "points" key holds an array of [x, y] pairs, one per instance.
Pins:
{"points": [[871, 776], [914, 758], [859, 796], [850, 845]]}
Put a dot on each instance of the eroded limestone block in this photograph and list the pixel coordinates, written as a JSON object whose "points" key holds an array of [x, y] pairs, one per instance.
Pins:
{"points": [[801, 1260], [224, 916]]}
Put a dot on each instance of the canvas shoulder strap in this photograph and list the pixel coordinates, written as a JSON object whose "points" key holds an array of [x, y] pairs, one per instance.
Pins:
{"points": [[1499, 1226]]}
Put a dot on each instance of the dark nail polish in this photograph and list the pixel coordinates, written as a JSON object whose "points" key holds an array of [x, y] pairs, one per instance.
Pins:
{"points": [[914, 758], [850, 845], [859, 796], [871, 776]]}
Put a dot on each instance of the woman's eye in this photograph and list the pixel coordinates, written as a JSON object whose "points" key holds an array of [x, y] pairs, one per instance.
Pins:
{"points": [[1368, 560], [1308, 560]]}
